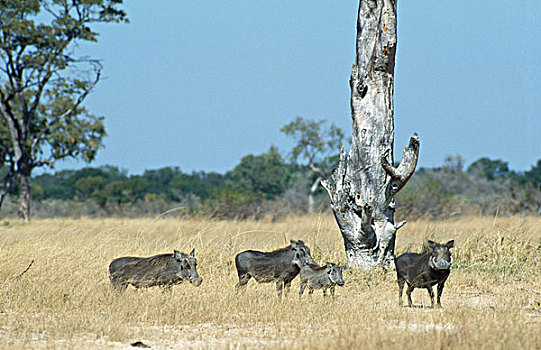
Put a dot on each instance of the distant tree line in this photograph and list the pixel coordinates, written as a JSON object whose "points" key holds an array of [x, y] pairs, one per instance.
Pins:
{"points": [[244, 191], [486, 187], [267, 185], [276, 185]]}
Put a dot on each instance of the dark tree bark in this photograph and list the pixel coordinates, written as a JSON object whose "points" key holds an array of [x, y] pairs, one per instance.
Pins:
{"points": [[25, 192], [8, 178], [362, 187]]}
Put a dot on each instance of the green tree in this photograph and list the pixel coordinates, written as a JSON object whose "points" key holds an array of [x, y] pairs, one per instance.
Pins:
{"points": [[315, 145], [92, 187], [233, 204], [490, 169], [54, 186], [534, 175], [160, 180], [43, 83], [200, 184], [130, 190], [265, 174]]}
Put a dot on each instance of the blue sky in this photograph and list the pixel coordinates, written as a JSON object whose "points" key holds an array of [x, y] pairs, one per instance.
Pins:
{"points": [[200, 84]]}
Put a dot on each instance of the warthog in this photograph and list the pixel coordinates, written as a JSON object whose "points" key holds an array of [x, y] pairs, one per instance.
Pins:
{"points": [[424, 270], [319, 277], [160, 270], [276, 266]]}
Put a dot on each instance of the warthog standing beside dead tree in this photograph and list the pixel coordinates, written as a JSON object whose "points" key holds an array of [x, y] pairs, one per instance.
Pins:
{"points": [[424, 270], [319, 277], [276, 266], [160, 270]]}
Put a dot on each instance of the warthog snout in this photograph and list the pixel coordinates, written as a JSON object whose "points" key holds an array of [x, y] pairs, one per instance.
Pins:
{"points": [[440, 258], [197, 281], [440, 264], [335, 274]]}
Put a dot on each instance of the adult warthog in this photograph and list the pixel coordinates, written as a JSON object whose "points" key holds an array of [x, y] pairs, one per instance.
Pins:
{"points": [[276, 266], [159, 270], [424, 270]]}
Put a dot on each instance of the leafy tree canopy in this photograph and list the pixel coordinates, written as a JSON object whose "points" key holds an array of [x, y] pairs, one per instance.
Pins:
{"points": [[265, 173], [533, 175], [313, 141], [490, 169], [43, 84]]}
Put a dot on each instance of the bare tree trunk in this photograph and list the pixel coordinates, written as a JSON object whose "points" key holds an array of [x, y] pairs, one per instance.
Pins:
{"points": [[6, 187], [362, 187], [19, 130], [313, 190], [3, 194], [24, 196]]}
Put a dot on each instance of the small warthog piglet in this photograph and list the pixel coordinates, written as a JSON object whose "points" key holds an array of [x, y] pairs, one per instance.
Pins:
{"points": [[319, 277], [424, 270]]}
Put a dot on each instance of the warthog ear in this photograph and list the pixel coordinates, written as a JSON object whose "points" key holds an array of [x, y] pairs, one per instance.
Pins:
{"points": [[177, 255], [432, 244], [192, 253], [294, 244], [450, 244]]}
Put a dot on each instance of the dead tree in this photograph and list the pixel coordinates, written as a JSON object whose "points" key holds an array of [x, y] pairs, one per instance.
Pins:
{"points": [[362, 187]]}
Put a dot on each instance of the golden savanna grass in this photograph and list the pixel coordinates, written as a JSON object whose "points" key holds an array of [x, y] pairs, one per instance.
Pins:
{"points": [[64, 301]]}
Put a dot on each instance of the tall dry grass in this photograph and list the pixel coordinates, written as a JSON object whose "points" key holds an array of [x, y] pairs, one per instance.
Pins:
{"points": [[492, 298]]}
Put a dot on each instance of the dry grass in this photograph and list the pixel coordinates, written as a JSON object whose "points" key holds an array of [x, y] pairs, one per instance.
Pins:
{"points": [[492, 298]]}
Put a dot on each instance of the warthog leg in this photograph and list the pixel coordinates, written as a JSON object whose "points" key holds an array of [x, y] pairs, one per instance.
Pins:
{"points": [[408, 293], [167, 288], [119, 286], [287, 287], [401, 283], [243, 281], [440, 290], [279, 288], [303, 287], [431, 293]]}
